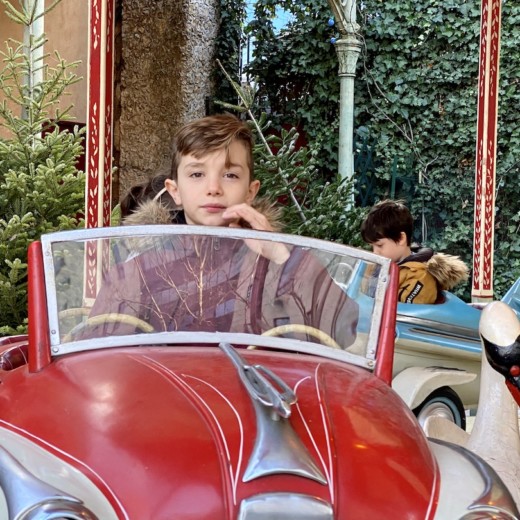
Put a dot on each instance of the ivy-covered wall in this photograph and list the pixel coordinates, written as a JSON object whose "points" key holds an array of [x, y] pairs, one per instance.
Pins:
{"points": [[418, 99], [415, 109]]}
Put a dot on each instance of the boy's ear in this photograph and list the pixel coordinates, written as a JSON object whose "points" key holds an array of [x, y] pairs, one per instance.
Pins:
{"points": [[254, 186], [403, 239], [173, 190]]}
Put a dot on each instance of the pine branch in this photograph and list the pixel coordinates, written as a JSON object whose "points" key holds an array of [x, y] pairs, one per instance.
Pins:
{"points": [[247, 101]]}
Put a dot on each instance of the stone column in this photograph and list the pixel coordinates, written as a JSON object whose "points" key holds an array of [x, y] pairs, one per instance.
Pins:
{"points": [[348, 48], [166, 57]]}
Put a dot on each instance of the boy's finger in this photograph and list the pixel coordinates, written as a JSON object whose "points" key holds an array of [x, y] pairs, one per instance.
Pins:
{"points": [[255, 219]]}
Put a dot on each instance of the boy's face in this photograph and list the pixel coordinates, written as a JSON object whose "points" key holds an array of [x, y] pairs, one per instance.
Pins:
{"points": [[395, 251], [206, 187]]}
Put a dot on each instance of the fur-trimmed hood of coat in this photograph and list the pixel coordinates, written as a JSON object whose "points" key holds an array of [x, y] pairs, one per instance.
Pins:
{"points": [[448, 270], [154, 212]]}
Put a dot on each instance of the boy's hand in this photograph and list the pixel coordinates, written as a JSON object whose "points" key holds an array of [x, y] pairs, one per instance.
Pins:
{"points": [[250, 216], [253, 219]]}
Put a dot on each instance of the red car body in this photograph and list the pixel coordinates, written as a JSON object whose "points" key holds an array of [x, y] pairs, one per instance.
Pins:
{"points": [[152, 428]]}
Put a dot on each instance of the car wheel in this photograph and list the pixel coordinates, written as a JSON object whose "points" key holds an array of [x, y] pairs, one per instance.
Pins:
{"points": [[444, 402]]}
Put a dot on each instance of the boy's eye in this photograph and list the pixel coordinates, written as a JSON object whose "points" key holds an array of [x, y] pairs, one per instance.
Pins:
{"points": [[231, 175], [195, 175]]}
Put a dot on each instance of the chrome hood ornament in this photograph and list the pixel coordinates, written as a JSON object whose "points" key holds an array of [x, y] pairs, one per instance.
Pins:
{"points": [[278, 449]]}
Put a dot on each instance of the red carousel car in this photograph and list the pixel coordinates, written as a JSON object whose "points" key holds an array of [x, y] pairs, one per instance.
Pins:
{"points": [[180, 372]]}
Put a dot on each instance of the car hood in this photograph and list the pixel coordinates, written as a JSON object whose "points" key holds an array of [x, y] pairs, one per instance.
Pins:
{"points": [[171, 432]]}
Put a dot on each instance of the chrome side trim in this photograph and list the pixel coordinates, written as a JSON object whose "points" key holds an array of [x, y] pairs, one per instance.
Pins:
{"points": [[425, 326], [29, 498], [284, 506]]}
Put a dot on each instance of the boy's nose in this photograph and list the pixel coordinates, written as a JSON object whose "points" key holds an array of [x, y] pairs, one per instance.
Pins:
{"points": [[214, 186]]}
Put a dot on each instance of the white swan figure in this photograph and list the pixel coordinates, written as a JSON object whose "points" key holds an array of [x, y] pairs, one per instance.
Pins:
{"points": [[495, 435]]}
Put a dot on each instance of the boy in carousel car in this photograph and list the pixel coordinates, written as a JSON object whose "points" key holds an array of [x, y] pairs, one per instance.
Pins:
{"points": [[214, 283], [388, 228]]}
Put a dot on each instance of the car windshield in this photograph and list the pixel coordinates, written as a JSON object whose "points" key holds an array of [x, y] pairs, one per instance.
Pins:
{"points": [[197, 285]]}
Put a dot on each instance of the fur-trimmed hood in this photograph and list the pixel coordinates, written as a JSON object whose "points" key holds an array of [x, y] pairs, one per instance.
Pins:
{"points": [[150, 212], [448, 270], [154, 212]]}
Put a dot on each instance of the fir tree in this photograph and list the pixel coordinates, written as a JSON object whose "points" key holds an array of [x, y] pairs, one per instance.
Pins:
{"points": [[41, 189]]}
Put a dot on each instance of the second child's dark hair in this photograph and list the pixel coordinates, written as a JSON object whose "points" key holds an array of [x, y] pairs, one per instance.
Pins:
{"points": [[209, 134], [388, 219], [149, 189]]}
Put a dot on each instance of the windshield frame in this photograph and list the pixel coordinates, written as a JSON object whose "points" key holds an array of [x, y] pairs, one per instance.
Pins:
{"points": [[157, 338]]}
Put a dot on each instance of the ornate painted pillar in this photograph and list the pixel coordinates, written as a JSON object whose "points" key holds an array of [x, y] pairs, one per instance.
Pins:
{"points": [[485, 167], [100, 112], [348, 48], [98, 162]]}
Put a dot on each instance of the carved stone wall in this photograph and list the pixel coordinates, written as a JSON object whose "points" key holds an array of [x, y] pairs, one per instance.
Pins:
{"points": [[162, 80]]}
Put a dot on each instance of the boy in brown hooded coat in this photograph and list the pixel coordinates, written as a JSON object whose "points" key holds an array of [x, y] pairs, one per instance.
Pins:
{"points": [[388, 229], [211, 181], [198, 286]]}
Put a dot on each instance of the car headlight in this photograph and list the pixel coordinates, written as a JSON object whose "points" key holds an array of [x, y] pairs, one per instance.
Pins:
{"points": [[36, 484], [59, 509]]}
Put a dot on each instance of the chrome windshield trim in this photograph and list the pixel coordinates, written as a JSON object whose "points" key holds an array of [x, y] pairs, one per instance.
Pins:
{"points": [[226, 232], [170, 339], [85, 235], [377, 315]]}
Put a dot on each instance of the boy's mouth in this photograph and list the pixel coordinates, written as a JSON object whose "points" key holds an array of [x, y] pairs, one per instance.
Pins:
{"points": [[214, 208]]}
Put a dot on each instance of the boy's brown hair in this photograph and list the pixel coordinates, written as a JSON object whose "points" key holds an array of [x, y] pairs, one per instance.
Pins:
{"points": [[388, 219], [209, 134]]}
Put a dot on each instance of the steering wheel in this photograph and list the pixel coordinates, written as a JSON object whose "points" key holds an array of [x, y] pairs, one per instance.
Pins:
{"points": [[324, 338], [74, 312], [113, 317]]}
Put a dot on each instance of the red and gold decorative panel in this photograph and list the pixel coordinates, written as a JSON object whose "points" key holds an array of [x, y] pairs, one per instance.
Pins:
{"points": [[482, 286], [99, 130]]}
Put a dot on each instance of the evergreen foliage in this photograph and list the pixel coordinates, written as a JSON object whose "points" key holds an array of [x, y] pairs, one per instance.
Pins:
{"points": [[416, 91], [290, 174], [296, 73], [41, 189], [228, 46], [313, 198]]}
